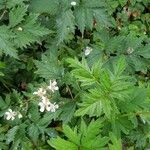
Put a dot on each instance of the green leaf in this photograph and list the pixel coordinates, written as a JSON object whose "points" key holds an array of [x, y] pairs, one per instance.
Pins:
{"points": [[88, 11], [144, 51], [103, 18], [136, 102], [1, 74], [33, 132], [120, 66], [61, 144], [84, 18], [116, 143], [67, 112], [94, 3], [87, 137], [48, 68], [121, 124], [91, 105], [71, 135], [3, 105], [90, 137], [11, 134], [3, 146], [13, 3], [93, 129], [16, 15], [6, 46], [65, 25], [107, 87], [33, 112], [45, 6], [31, 32], [81, 71]]}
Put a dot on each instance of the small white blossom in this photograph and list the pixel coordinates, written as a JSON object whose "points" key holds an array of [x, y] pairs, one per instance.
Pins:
{"points": [[130, 50], [87, 51], [10, 114], [41, 92], [44, 104], [73, 3], [19, 29], [53, 86], [19, 115], [54, 107]]}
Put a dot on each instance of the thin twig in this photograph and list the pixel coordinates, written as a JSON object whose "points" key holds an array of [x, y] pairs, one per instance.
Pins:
{"points": [[70, 92], [3, 14]]}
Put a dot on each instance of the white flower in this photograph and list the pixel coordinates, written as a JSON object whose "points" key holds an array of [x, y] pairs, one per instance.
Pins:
{"points": [[41, 92], [19, 115], [19, 29], [44, 104], [87, 51], [73, 3], [10, 114], [54, 107], [53, 86], [130, 50]]}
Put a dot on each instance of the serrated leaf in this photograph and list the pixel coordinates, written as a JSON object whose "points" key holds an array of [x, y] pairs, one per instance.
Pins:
{"points": [[11, 134], [16, 15], [61, 144], [6, 46], [33, 132], [65, 25], [116, 143], [3, 105], [31, 32], [13, 3], [71, 135], [34, 113], [51, 69], [119, 66], [45, 6], [80, 18], [91, 138], [102, 17], [67, 112], [94, 3], [81, 71], [87, 137], [144, 51]]}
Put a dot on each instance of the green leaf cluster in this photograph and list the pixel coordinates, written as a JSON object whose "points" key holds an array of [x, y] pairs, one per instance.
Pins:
{"points": [[92, 57]]}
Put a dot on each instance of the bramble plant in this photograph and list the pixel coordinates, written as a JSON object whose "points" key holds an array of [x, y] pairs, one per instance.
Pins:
{"points": [[74, 74]]}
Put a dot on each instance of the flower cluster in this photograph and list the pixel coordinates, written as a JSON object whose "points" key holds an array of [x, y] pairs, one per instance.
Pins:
{"points": [[45, 104], [11, 115]]}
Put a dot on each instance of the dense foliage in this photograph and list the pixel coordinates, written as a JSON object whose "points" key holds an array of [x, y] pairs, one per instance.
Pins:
{"points": [[74, 75]]}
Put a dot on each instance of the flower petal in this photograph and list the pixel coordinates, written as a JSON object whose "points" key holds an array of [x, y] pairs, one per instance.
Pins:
{"points": [[10, 110], [54, 83], [19, 115], [12, 117], [56, 88], [48, 108], [8, 117], [42, 106]]}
